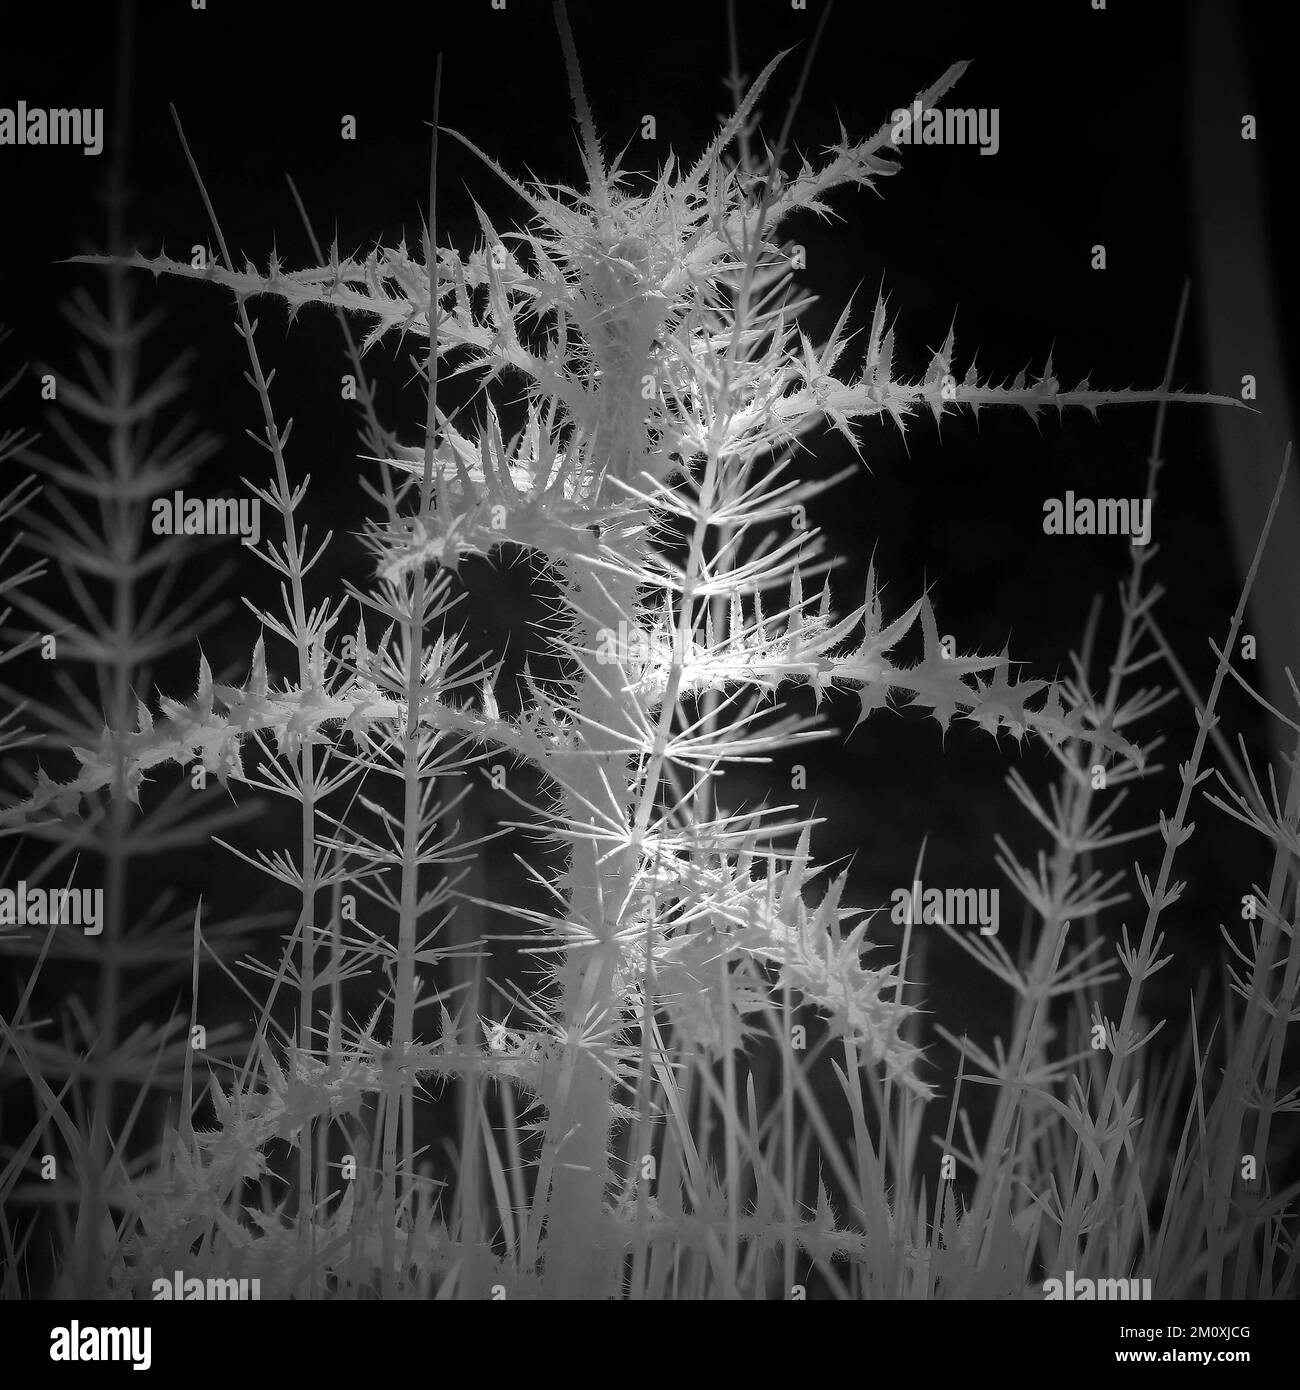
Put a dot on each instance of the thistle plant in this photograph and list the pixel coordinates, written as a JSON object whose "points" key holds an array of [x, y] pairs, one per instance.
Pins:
{"points": [[665, 390]]}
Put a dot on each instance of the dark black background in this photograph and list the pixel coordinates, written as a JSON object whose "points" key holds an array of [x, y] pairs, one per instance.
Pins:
{"points": [[1093, 148]]}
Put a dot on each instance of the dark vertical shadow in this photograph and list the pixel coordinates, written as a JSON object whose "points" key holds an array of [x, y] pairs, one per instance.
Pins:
{"points": [[1236, 290]]}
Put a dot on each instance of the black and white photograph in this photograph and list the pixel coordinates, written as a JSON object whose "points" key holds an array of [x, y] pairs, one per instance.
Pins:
{"points": [[648, 653]]}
